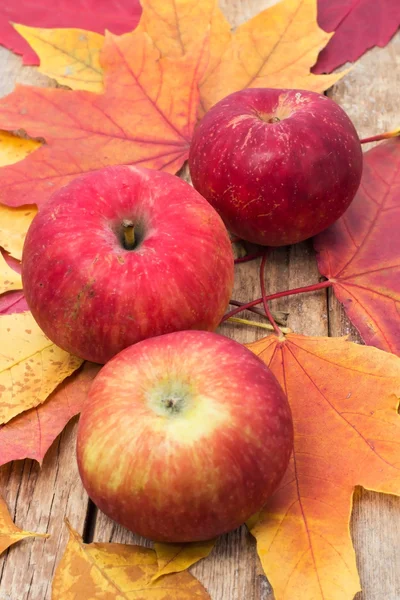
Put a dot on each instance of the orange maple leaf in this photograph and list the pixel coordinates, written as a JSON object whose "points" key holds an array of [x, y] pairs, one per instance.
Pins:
{"points": [[344, 401], [145, 116]]}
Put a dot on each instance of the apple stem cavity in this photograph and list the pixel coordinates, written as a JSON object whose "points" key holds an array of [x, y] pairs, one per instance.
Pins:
{"points": [[271, 319], [381, 136], [301, 290], [273, 120], [129, 234]]}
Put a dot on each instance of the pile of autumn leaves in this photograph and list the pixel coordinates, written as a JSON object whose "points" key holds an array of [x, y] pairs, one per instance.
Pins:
{"points": [[136, 99]]}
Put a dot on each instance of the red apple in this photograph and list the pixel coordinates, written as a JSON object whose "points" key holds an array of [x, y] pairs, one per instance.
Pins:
{"points": [[184, 436], [278, 165], [123, 254]]}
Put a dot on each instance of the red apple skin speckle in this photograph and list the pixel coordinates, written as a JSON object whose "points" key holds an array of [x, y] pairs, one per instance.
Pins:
{"points": [[195, 472], [91, 296], [276, 183]]}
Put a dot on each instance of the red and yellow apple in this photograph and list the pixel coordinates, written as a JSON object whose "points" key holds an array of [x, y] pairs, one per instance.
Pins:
{"points": [[123, 254], [183, 436], [279, 166]]}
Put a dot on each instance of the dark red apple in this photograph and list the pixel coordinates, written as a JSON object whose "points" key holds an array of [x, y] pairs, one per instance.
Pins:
{"points": [[123, 254], [279, 166], [184, 436]]}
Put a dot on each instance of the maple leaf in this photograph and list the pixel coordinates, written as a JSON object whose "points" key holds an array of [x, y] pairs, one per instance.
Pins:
{"points": [[344, 401], [358, 26], [30, 434], [72, 56], [31, 366], [13, 302], [117, 16], [146, 116], [91, 571], [9, 279], [274, 49], [360, 253], [14, 148], [178, 27], [173, 558], [14, 224], [9, 532]]}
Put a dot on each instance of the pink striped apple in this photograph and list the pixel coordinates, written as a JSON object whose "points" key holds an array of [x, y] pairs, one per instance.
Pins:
{"points": [[123, 254], [183, 436]]}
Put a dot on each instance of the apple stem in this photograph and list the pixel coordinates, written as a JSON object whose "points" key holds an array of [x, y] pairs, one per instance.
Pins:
{"points": [[248, 257], [381, 136], [271, 319], [301, 290], [129, 234], [235, 239]]}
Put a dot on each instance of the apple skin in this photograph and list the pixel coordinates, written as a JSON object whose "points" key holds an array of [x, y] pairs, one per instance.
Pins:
{"points": [[91, 296], [199, 468], [276, 183]]}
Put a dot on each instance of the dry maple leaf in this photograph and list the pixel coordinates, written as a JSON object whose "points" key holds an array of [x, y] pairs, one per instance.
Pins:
{"points": [[146, 116], [118, 16], [276, 48], [358, 26], [173, 558], [72, 56], [93, 571], [31, 366], [9, 532], [344, 401], [360, 253], [30, 434], [14, 224]]}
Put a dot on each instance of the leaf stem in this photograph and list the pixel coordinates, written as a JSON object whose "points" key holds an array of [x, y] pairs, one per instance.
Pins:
{"points": [[263, 294], [301, 290], [279, 316], [248, 257], [257, 324], [381, 136]]}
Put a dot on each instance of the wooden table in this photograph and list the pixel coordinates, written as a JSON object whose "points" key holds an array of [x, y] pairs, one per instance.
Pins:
{"points": [[39, 499]]}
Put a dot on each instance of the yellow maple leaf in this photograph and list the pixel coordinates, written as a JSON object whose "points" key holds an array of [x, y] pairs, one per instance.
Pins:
{"points": [[69, 55], [344, 399], [9, 532], [119, 571], [177, 27], [14, 224], [31, 366], [9, 279], [274, 49], [173, 558]]}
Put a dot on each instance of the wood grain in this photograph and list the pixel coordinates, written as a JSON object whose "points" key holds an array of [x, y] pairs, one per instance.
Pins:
{"points": [[39, 499]]}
